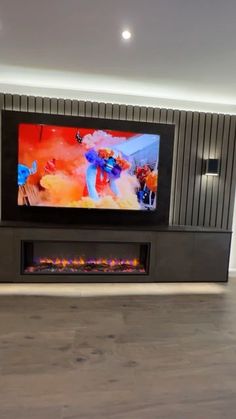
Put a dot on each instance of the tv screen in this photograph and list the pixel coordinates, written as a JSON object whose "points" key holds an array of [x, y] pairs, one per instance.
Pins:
{"points": [[79, 167], [87, 171]]}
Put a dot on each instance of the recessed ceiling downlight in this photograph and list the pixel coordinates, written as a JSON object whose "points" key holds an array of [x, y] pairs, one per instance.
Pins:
{"points": [[126, 35]]}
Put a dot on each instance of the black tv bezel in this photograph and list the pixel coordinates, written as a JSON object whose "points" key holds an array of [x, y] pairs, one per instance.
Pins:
{"points": [[81, 216]]}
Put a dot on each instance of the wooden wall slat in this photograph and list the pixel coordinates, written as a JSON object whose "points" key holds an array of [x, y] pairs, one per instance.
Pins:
{"points": [[115, 111], [130, 110], [95, 108], [150, 113], [101, 110], [143, 114], [192, 169], [216, 181], [46, 105], [53, 106], [232, 187], [198, 169], [61, 107], [156, 116], [123, 112], [185, 168], [39, 104], [229, 168], [176, 120], [108, 114], [8, 102], [68, 107], [16, 103], [169, 116], [206, 148], [222, 177], [88, 109], [31, 103], [163, 116], [211, 179], [136, 114], [179, 167], [195, 199], [23, 103], [81, 108], [75, 107]]}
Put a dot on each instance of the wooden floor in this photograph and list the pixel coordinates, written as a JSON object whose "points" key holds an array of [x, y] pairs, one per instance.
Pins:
{"points": [[141, 357]]}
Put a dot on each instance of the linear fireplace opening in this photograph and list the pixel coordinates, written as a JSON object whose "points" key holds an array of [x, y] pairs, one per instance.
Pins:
{"points": [[80, 258]]}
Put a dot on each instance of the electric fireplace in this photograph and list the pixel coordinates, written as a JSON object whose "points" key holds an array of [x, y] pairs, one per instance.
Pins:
{"points": [[80, 258]]}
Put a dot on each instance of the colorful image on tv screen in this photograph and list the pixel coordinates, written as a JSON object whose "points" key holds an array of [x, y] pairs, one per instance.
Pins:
{"points": [[87, 168]]}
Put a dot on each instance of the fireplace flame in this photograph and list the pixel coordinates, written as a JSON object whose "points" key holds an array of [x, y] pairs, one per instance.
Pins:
{"points": [[81, 261]]}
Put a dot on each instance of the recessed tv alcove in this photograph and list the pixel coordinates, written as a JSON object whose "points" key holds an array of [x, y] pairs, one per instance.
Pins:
{"points": [[86, 171]]}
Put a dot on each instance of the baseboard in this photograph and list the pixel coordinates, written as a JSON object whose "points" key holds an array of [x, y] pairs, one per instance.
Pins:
{"points": [[232, 273]]}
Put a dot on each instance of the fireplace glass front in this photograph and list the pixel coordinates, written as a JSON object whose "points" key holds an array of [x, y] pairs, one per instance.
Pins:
{"points": [[79, 258]]}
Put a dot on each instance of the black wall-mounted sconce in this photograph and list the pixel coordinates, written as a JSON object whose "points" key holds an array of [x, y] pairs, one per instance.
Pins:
{"points": [[211, 167]]}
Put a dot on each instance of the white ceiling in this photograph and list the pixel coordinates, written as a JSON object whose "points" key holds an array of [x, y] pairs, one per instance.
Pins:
{"points": [[182, 53]]}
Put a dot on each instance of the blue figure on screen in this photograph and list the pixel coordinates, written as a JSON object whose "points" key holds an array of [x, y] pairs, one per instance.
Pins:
{"points": [[24, 172], [109, 168]]}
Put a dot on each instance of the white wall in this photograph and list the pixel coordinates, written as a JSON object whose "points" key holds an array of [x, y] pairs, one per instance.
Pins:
{"points": [[232, 263]]}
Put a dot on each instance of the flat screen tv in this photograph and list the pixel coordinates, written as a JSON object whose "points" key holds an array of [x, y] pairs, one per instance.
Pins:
{"points": [[83, 170]]}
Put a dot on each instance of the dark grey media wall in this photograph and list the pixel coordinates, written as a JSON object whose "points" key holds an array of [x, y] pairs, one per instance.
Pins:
{"points": [[174, 254], [196, 200], [199, 252]]}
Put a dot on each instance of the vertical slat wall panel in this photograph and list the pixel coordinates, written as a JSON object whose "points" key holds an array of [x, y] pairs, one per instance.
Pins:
{"points": [[176, 119], [8, 102], [46, 105], [192, 169], [136, 113], [185, 168], [109, 110], [115, 111], [39, 104], [163, 116], [219, 139], [143, 114], [195, 199], [16, 103], [101, 110], [179, 167], [123, 112], [204, 178], [156, 116], [23, 103], [81, 108], [232, 186], [68, 107], [229, 168], [74, 108], [53, 106], [198, 169], [211, 179], [130, 110], [31, 103], [95, 109], [88, 109], [61, 107], [150, 115], [222, 177]]}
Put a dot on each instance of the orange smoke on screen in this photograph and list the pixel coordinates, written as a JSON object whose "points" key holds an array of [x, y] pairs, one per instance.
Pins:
{"points": [[67, 184]]}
